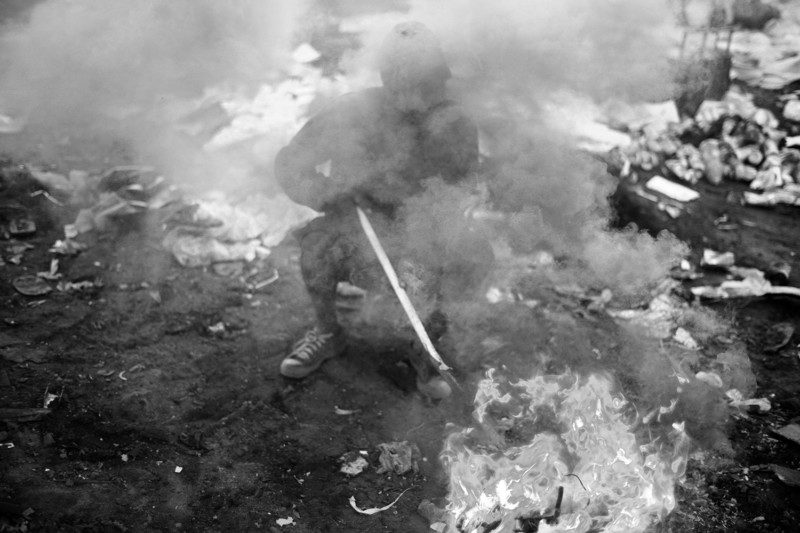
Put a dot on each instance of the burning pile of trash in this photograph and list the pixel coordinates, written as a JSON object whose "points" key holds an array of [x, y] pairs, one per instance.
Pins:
{"points": [[558, 453]]}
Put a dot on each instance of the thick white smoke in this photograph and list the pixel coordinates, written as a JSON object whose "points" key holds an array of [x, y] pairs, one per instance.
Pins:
{"points": [[79, 67], [511, 59]]}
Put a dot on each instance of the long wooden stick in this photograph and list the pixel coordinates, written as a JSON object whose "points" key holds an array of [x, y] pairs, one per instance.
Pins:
{"points": [[405, 301]]}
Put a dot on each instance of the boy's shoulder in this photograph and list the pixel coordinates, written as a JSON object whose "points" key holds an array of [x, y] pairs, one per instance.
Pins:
{"points": [[356, 105]]}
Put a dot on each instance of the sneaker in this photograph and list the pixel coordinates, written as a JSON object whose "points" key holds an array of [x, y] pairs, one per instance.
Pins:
{"points": [[310, 352], [436, 388]]}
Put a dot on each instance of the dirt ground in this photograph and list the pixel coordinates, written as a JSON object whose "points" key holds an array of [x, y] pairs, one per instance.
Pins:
{"points": [[163, 422]]}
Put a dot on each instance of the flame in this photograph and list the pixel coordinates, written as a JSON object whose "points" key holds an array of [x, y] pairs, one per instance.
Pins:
{"points": [[578, 469]]}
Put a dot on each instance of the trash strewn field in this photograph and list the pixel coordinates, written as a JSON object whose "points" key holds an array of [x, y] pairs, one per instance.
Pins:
{"points": [[145, 316]]}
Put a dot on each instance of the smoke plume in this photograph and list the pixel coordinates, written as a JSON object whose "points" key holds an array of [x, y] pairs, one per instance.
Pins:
{"points": [[121, 69], [512, 59]]}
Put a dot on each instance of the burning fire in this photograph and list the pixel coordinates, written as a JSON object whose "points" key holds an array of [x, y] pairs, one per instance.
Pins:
{"points": [[555, 453]]}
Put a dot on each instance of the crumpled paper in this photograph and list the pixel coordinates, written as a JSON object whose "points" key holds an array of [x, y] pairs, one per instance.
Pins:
{"points": [[398, 457]]}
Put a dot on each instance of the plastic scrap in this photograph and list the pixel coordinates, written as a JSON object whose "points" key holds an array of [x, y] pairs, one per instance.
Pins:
{"points": [[289, 521], [374, 510], [352, 463], [717, 259], [671, 189]]}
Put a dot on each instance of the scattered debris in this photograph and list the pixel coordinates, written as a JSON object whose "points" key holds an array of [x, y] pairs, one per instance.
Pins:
{"points": [[217, 329], [49, 197], [780, 334], [779, 271], [78, 286], [31, 285], [49, 398], [752, 283], [13, 414], [16, 250], [788, 476], [712, 258], [228, 269], [52, 274], [790, 432], [432, 512], [398, 457], [52, 181], [672, 190], [685, 338], [21, 227], [289, 521], [712, 378], [259, 281], [67, 246], [374, 510], [352, 463], [754, 405]]}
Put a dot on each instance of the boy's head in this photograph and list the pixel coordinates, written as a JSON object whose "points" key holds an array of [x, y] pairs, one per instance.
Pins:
{"points": [[413, 68]]}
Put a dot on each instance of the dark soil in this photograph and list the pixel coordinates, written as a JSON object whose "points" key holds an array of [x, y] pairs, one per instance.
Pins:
{"points": [[741, 493], [160, 424]]}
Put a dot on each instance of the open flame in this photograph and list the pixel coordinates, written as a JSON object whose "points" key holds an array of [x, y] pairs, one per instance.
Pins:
{"points": [[555, 453]]}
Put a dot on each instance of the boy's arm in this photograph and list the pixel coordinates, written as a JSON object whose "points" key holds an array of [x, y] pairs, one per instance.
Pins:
{"points": [[296, 165]]}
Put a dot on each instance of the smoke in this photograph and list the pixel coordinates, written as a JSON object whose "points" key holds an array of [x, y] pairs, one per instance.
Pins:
{"points": [[119, 68], [511, 61]]}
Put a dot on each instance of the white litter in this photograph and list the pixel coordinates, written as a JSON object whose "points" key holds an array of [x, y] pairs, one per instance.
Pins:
{"points": [[685, 338], [672, 190], [355, 467], [285, 521], [374, 510], [712, 378]]}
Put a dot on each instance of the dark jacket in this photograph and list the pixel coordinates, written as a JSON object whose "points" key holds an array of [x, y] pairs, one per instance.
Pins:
{"points": [[375, 152]]}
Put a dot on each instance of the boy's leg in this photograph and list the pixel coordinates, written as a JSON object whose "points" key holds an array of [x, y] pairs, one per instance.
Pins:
{"points": [[323, 263]]}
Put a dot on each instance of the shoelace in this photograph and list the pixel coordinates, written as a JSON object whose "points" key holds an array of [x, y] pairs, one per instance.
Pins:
{"points": [[309, 344]]}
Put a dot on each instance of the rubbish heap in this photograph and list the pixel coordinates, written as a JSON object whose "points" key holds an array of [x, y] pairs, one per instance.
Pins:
{"points": [[727, 140]]}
